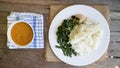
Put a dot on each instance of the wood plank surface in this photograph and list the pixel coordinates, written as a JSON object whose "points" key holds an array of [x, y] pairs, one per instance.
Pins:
{"points": [[23, 8], [3, 28], [115, 25], [114, 5], [115, 15], [114, 47], [32, 58]]}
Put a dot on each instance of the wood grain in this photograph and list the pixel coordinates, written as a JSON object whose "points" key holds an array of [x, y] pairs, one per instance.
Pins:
{"points": [[3, 17], [3, 28], [50, 2], [115, 15], [114, 47], [114, 5], [3, 41], [31, 58], [23, 8], [115, 25]]}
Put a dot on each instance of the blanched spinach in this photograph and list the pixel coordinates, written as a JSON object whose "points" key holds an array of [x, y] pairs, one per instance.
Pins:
{"points": [[63, 36]]}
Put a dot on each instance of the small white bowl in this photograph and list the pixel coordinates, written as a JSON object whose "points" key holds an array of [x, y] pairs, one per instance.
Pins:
{"points": [[10, 38]]}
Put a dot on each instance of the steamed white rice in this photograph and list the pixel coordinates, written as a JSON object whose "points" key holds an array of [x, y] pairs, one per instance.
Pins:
{"points": [[85, 37]]}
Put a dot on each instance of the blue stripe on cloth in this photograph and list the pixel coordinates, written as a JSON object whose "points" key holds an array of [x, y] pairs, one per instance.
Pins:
{"points": [[17, 18], [34, 25]]}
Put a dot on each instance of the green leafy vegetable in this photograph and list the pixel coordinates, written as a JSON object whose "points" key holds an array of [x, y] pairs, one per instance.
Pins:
{"points": [[63, 36]]}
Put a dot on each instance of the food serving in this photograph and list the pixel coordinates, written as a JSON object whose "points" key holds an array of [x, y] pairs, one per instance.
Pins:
{"points": [[20, 33], [78, 35], [91, 26]]}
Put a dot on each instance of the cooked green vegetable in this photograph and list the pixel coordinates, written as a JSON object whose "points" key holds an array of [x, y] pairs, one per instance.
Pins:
{"points": [[63, 36]]}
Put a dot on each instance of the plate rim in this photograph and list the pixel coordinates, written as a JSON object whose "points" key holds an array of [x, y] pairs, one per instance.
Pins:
{"points": [[65, 9]]}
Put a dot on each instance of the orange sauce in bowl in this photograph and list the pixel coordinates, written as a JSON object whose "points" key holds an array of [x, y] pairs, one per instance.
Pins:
{"points": [[22, 33]]}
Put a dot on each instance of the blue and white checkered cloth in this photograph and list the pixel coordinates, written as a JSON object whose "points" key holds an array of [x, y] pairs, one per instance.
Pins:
{"points": [[36, 21]]}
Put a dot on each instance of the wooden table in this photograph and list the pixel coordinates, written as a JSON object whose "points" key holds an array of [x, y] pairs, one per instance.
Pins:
{"points": [[34, 58]]}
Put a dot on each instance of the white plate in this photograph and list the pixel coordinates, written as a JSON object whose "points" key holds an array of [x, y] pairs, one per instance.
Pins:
{"points": [[90, 13]]}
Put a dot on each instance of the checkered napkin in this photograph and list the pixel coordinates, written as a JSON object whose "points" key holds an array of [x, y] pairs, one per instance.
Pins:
{"points": [[36, 21]]}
